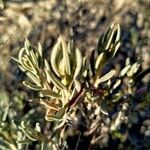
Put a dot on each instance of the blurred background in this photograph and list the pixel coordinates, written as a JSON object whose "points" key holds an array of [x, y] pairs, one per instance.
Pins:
{"points": [[83, 21]]}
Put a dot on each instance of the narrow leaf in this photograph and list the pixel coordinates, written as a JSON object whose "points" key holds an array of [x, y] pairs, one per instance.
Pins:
{"points": [[66, 58], [49, 93], [32, 86], [33, 59], [118, 33], [109, 40], [54, 54], [15, 59], [40, 50], [55, 117], [125, 70], [99, 60], [79, 63], [20, 55], [51, 77], [104, 78], [27, 46], [118, 82], [116, 47], [27, 132], [33, 78]]}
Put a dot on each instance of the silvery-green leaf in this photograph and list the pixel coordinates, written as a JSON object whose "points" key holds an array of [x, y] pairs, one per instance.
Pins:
{"points": [[84, 61], [29, 64], [62, 68], [27, 132], [98, 60], [60, 124], [134, 68], [54, 54], [106, 35], [60, 113], [47, 103], [33, 59], [22, 68], [51, 118], [4, 115], [29, 135], [84, 68], [104, 78], [115, 49], [106, 57], [23, 59], [33, 78], [15, 59], [78, 62], [51, 77], [103, 108], [118, 82], [50, 93], [44, 146], [69, 47], [20, 55], [66, 58], [24, 141], [125, 70], [118, 33], [27, 46], [127, 61], [110, 37], [117, 97], [112, 25], [32, 86], [57, 116], [5, 135], [40, 50]]}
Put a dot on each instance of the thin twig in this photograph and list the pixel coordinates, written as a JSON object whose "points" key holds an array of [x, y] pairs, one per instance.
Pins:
{"points": [[78, 141]]}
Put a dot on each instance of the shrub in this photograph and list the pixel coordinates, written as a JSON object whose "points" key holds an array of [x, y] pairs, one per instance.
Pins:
{"points": [[76, 91]]}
